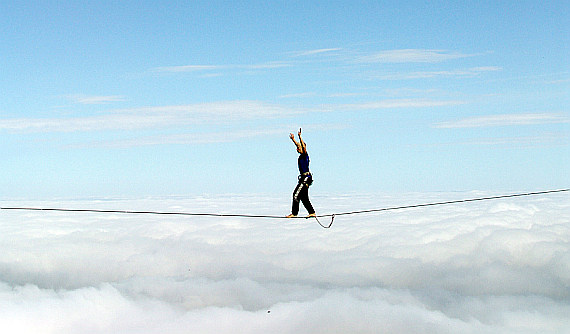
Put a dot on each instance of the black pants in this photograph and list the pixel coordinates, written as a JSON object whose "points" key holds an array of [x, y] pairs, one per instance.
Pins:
{"points": [[301, 193]]}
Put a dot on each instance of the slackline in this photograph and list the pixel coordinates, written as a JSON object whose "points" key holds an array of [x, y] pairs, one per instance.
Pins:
{"points": [[332, 215]]}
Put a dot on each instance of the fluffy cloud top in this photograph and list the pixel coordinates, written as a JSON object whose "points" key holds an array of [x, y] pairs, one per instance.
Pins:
{"points": [[489, 267]]}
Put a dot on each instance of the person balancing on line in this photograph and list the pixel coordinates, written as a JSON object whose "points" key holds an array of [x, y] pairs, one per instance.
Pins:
{"points": [[301, 192]]}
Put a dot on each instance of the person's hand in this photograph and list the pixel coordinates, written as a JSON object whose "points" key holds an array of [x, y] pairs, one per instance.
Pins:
{"points": [[299, 132], [292, 136]]}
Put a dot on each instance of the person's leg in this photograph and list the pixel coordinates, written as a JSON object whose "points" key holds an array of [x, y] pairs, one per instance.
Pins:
{"points": [[296, 197], [304, 196], [295, 208]]}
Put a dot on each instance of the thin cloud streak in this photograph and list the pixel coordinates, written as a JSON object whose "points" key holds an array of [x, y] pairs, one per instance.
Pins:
{"points": [[516, 142], [401, 103], [216, 68], [194, 114], [472, 72], [185, 68], [313, 52], [94, 99], [183, 139], [153, 117], [346, 58], [298, 95], [203, 137], [504, 120], [412, 56], [267, 65]]}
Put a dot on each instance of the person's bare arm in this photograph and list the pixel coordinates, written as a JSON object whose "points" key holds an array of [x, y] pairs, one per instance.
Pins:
{"points": [[292, 136], [302, 143], [301, 147]]}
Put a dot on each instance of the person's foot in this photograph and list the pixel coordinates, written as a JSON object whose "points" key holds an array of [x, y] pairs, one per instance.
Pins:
{"points": [[312, 215], [291, 216]]}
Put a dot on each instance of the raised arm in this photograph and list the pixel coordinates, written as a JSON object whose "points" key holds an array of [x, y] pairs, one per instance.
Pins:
{"points": [[301, 147], [302, 143], [292, 136]]}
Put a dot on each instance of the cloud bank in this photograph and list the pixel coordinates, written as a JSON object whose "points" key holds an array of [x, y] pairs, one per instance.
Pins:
{"points": [[488, 267]]}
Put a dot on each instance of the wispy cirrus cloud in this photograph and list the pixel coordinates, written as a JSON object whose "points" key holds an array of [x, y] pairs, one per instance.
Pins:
{"points": [[395, 103], [204, 137], [266, 65], [297, 95], [412, 56], [516, 142], [341, 56], [221, 112], [471, 72], [505, 120], [153, 117], [559, 81], [185, 68], [313, 52], [94, 99], [216, 70], [208, 70], [182, 139]]}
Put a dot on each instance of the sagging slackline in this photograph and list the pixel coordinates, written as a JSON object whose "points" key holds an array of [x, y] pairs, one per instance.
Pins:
{"points": [[305, 179]]}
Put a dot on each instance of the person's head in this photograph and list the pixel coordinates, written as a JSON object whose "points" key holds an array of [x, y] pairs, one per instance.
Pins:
{"points": [[300, 149]]}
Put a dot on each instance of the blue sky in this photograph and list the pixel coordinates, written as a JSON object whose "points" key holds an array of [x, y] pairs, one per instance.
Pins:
{"points": [[150, 99]]}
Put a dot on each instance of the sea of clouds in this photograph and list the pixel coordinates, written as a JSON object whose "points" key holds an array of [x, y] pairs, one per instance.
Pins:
{"points": [[499, 266]]}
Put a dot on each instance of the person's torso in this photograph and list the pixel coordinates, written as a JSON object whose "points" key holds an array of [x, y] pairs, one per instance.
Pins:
{"points": [[303, 162]]}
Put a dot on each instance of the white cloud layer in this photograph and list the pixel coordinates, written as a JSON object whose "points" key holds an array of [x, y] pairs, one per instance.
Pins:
{"points": [[487, 267]]}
